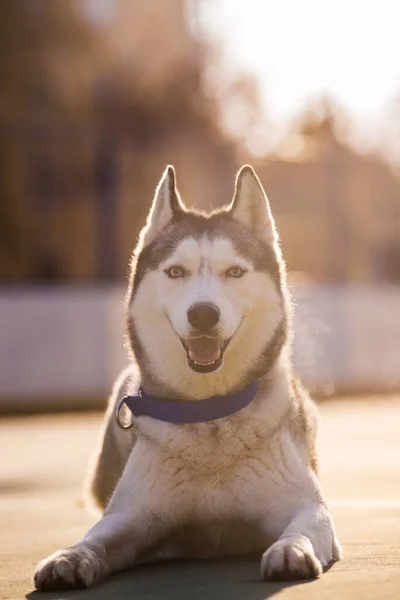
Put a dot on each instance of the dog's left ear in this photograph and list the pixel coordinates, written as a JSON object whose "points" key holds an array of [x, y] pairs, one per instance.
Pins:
{"points": [[250, 206], [166, 205]]}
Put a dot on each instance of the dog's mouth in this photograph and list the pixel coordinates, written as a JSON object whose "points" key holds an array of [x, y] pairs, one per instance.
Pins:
{"points": [[205, 354]]}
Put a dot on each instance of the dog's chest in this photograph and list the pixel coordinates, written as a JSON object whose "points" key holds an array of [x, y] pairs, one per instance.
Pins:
{"points": [[212, 457], [242, 470]]}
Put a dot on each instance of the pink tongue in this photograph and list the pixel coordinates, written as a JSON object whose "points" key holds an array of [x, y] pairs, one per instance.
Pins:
{"points": [[204, 350]]}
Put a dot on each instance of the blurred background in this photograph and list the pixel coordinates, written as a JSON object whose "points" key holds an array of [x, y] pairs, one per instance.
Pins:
{"points": [[97, 96]]}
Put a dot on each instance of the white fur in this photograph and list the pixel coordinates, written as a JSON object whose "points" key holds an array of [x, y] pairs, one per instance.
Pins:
{"points": [[211, 482], [250, 308], [254, 472]]}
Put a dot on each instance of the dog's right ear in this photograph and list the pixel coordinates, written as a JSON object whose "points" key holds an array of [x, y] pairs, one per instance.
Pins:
{"points": [[166, 205]]}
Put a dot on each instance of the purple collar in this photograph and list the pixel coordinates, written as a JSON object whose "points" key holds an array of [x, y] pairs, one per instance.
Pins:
{"points": [[180, 411]]}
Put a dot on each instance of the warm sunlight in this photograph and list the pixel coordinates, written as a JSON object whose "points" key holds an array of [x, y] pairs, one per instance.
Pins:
{"points": [[298, 51], [199, 236]]}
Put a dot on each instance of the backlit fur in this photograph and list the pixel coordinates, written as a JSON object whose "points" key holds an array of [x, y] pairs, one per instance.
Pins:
{"points": [[244, 483]]}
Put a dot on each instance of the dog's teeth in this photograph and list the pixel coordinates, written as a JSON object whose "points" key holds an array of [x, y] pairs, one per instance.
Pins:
{"points": [[204, 364], [207, 364]]}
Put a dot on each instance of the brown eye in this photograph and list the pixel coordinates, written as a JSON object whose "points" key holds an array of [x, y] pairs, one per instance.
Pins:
{"points": [[235, 272], [175, 271]]}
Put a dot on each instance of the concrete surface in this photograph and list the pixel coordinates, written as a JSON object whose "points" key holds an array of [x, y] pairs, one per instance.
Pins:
{"points": [[43, 460]]}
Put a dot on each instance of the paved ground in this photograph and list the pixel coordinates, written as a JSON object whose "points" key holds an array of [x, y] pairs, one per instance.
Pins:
{"points": [[43, 460]]}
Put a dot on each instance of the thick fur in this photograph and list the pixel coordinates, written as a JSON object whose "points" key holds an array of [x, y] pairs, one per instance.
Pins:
{"points": [[244, 483]]}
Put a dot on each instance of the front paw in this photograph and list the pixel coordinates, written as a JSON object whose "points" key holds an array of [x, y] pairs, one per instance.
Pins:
{"points": [[288, 559], [79, 566]]}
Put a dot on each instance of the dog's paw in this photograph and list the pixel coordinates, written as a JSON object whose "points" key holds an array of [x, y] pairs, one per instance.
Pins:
{"points": [[288, 559], [336, 549], [79, 566]]}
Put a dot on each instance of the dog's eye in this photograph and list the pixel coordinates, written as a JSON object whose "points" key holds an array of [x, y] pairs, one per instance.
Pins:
{"points": [[235, 272], [175, 271]]}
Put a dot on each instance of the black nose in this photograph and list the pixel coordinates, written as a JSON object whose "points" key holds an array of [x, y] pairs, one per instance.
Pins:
{"points": [[203, 315]]}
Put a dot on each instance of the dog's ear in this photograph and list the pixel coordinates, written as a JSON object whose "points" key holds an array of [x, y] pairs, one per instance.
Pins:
{"points": [[166, 205], [250, 206]]}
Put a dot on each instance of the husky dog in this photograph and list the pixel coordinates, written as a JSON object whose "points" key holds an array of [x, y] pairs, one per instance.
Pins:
{"points": [[208, 313]]}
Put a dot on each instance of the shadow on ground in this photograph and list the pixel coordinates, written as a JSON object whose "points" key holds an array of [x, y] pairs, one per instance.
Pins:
{"points": [[230, 579]]}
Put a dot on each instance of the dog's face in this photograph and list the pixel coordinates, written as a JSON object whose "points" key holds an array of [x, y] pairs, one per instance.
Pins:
{"points": [[206, 295]]}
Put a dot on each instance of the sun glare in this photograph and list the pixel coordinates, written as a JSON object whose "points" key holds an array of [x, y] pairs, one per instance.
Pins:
{"points": [[298, 51]]}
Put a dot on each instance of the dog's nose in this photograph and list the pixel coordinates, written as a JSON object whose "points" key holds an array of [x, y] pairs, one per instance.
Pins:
{"points": [[203, 315]]}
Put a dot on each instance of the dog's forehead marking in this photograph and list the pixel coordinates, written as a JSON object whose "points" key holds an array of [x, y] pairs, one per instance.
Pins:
{"points": [[186, 251], [216, 253], [190, 250], [222, 253]]}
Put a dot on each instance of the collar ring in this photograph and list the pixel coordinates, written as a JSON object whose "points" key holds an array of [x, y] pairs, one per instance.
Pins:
{"points": [[118, 416]]}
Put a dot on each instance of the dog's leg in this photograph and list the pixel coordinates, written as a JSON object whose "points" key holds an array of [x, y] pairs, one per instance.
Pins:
{"points": [[306, 545], [139, 514], [111, 545]]}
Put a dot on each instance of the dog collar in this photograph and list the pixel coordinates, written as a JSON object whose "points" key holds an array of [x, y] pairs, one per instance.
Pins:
{"points": [[180, 411]]}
